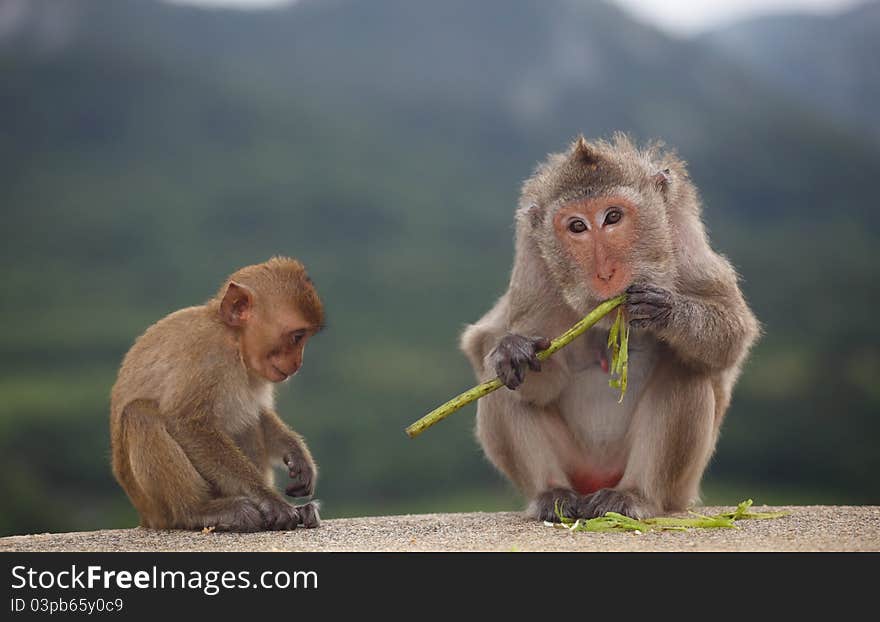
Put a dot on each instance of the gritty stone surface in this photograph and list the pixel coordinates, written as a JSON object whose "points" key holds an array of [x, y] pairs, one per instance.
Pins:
{"points": [[808, 528]]}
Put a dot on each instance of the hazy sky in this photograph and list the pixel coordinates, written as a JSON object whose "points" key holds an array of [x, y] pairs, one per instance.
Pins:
{"points": [[677, 16], [688, 16]]}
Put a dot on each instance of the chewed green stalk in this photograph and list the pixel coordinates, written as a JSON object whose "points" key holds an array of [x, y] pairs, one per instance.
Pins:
{"points": [[481, 390], [618, 342]]}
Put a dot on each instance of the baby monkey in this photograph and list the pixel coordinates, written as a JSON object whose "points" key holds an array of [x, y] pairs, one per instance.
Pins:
{"points": [[193, 429]]}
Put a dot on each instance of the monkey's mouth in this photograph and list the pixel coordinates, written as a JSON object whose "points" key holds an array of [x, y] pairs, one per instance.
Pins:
{"points": [[281, 373]]}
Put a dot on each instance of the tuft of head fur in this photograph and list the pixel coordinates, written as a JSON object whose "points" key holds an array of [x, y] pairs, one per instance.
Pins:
{"points": [[281, 280], [589, 168]]}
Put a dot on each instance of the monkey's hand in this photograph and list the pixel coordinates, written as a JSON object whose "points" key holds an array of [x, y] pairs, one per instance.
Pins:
{"points": [[278, 514], [513, 354], [302, 475], [648, 306]]}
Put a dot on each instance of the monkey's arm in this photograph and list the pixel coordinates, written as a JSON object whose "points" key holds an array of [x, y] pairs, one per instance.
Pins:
{"points": [[706, 320], [218, 459], [496, 349], [708, 327], [282, 442]]}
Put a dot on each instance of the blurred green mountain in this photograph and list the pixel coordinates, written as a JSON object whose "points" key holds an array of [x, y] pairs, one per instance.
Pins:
{"points": [[825, 61], [147, 150]]}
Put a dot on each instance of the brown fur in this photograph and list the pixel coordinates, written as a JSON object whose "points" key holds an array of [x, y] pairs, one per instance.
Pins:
{"points": [[563, 422], [281, 280], [194, 434]]}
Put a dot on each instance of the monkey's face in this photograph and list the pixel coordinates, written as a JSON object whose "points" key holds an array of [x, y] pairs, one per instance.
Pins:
{"points": [[272, 309], [596, 246], [597, 236], [599, 215], [273, 343]]}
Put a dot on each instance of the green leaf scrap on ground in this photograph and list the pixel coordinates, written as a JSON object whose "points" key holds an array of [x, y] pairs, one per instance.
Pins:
{"points": [[612, 521]]}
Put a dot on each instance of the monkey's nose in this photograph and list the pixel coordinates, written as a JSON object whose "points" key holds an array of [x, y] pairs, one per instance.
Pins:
{"points": [[606, 275]]}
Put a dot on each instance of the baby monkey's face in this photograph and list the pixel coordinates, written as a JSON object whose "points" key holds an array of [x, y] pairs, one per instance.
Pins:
{"points": [[273, 342]]}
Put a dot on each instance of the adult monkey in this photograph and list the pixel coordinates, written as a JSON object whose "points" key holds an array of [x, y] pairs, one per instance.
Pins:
{"points": [[192, 423], [601, 219]]}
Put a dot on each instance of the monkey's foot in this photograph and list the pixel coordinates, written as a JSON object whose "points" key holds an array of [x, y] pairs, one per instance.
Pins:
{"points": [[624, 502], [543, 507], [308, 514], [225, 514], [278, 515]]}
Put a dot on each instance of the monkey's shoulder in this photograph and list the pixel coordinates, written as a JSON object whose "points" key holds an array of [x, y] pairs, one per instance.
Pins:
{"points": [[176, 330], [179, 356], [186, 321]]}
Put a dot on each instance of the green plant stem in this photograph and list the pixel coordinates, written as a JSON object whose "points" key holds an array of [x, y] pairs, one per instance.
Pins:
{"points": [[484, 389]]}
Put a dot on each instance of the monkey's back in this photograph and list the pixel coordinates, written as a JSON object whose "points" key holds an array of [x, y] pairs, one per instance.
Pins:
{"points": [[167, 362]]}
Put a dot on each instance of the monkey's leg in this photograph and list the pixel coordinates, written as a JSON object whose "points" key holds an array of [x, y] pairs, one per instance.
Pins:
{"points": [[222, 463], [672, 437], [252, 443], [168, 491], [530, 445], [226, 514]]}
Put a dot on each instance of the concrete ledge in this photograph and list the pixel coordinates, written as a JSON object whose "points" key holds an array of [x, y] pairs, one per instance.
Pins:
{"points": [[809, 528]]}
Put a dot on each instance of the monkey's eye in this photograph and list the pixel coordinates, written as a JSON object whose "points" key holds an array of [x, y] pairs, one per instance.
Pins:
{"points": [[613, 216], [295, 338], [577, 225]]}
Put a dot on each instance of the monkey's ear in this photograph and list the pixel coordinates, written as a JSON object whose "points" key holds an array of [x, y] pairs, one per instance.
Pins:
{"points": [[583, 153], [535, 214], [237, 304], [660, 179]]}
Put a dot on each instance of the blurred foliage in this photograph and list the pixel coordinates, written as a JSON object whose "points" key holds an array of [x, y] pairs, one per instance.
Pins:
{"points": [[148, 150]]}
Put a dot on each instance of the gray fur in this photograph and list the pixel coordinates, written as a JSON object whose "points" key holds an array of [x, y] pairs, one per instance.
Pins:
{"points": [[691, 332]]}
